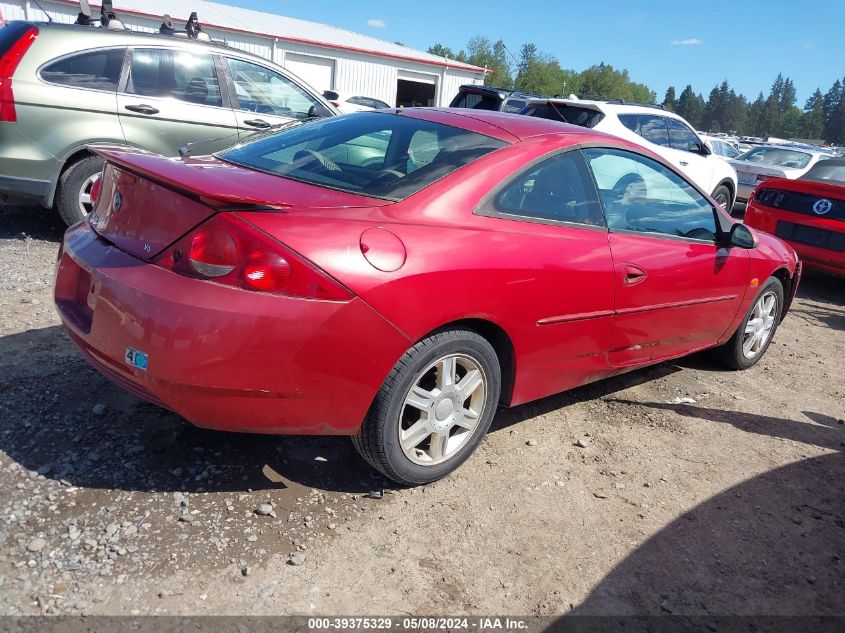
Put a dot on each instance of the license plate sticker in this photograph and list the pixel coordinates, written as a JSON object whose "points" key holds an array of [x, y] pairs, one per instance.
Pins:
{"points": [[136, 358]]}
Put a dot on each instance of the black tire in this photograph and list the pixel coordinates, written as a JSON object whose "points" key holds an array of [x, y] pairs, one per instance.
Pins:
{"points": [[378, 438], [731, 352], [70, 187], [723, 193]]}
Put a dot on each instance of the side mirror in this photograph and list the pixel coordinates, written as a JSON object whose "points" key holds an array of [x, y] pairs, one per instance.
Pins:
{"points": [[320, 112], [700, 148], [742, 237]]}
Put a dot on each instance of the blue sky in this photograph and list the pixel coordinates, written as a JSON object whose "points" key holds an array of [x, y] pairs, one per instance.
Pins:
{"points": [[660, 42]]}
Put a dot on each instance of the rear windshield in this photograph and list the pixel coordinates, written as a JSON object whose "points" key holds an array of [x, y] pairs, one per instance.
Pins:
{"points": [[777, 157], [476, 101], [388, 156], [583, 117], [827, 171]]}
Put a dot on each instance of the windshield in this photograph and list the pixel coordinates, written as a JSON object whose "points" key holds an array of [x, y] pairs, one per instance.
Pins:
{"points": [[777, 157], [827, 170], [387, 156]]}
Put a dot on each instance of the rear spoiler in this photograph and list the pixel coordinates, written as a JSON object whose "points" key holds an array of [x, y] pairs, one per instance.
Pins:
{"points": [[183, 175]]}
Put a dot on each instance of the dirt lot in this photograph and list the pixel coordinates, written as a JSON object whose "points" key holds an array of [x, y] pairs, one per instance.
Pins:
{"points": [[731, 504]]}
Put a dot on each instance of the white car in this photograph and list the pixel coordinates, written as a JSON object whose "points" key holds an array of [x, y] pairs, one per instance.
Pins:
{"points": [[773, 161], [720, 147], [347, 103], [664, 133]]}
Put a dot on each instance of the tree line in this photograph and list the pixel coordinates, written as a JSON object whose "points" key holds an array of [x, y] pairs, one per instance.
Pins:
{"points": [[531, 70]]}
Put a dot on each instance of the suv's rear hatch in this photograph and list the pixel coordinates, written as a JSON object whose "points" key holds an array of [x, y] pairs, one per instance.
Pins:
{"points": [[573, 112], [147, 201]]}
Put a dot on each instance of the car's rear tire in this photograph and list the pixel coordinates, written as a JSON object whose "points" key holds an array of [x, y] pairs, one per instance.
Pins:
{"points": [[722, 195], [433, 409], [755, 333], [73, 198]]}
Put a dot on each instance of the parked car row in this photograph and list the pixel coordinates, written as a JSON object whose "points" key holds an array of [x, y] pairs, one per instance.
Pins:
{"points": [[66, 87]]}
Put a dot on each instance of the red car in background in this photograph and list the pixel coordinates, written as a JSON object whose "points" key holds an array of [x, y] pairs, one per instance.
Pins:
{"points": [[396, 276], [809, 213]]}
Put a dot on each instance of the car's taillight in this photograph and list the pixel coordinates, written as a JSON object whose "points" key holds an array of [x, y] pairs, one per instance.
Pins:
{"points": [[96, 188], [8, 65], [762, 177], [228, 250]]}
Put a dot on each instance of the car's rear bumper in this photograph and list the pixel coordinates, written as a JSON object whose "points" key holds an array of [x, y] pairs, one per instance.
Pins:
{"points": [[222, 357], [798, 229], [743, 192]]}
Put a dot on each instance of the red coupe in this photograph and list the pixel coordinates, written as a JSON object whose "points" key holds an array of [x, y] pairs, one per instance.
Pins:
{"points": [[397, 275], [809, 213]]}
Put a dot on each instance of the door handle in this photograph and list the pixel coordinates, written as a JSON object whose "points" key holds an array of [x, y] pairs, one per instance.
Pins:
{"points": [[142, 108], [259, 123], [633, 275], [684, 163]]}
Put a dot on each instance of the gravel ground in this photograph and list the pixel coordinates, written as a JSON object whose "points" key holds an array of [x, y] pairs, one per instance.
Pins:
{"points": [[677, 489]]}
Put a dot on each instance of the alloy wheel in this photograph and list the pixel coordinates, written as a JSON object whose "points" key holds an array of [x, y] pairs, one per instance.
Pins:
{"points": [[442, 409], [86, 202], [761, 325]]}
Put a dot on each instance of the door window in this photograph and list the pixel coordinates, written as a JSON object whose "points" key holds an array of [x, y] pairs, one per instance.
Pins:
{"points": [[259, 89], [174, 75], [681, 137], [651, 127], [96, 70], [639, 194], [558, 189]]}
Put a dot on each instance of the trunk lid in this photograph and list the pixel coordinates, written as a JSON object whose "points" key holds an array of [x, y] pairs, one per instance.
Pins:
{"points": [[148, 202]]}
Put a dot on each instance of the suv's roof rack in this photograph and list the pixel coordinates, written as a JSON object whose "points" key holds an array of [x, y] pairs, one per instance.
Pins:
{"points": [[108, 18], [193, 29], [623, 102]]}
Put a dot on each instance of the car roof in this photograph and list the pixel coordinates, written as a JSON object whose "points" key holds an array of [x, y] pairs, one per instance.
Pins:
{"points": [[95, 31], [616, 106], [504, 125]]}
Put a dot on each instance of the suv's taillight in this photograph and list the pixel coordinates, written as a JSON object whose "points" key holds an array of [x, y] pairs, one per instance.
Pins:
{"points": [[228, 250], [8, 65]]}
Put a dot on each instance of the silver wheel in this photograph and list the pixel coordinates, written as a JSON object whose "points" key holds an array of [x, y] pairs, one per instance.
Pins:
{"points": [[86, 203], [442, 409], [761, 325], [722, 199]]}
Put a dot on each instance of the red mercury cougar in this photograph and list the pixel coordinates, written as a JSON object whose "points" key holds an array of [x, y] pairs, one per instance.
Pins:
{"points": [[396, 276]]}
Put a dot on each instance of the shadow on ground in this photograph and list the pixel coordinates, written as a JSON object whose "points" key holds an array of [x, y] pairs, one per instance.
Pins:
{"points": [[47, 396], [773, 545], [19, 221]]}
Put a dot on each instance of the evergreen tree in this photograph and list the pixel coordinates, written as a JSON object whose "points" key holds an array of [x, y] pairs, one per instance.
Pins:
{"points": [[669, 101], [812, 124]]}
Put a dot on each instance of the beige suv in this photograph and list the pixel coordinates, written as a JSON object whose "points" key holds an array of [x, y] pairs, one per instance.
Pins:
{"points": [[65, 87]]}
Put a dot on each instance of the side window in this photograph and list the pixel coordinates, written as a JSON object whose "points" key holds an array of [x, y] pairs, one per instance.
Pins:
{"points": [[174, 74], [558, 189], [630, 121], [653, 129], [97, 70], [640, 194], [682, 137], [259, 89], [514, 105]]}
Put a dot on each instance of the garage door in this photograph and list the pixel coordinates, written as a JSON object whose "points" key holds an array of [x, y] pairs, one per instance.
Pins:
{"points": [[318, 72]]}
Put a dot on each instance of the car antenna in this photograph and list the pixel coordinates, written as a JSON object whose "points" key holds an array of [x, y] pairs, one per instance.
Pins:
{"points": [[49, 17]]}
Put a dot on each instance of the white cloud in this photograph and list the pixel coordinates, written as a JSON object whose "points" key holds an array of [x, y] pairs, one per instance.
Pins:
{"points": [[692, 41], [377, 23]]}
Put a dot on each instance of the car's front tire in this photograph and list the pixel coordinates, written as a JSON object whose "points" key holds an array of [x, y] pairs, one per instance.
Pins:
{"points": [[433, 409], [755, 333], [73, 198], [722, 195]]}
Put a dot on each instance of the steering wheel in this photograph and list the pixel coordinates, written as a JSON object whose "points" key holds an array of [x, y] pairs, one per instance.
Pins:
{"points": [[699, 233], [310, 160]]}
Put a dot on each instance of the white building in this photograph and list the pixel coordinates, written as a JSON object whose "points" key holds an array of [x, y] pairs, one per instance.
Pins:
{"points": [[324, 56]]}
